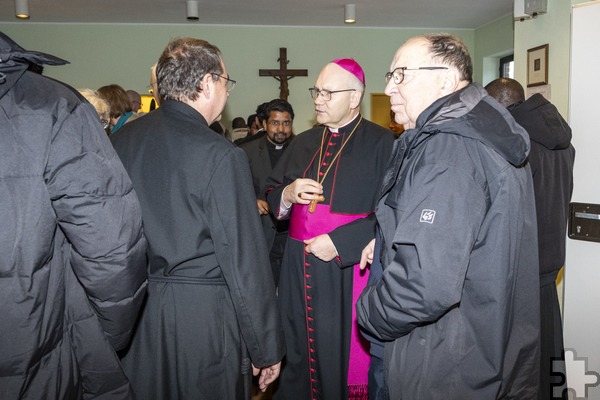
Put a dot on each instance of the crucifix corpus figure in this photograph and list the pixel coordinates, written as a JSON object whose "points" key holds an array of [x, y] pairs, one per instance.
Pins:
{"points": [[283, 74]]}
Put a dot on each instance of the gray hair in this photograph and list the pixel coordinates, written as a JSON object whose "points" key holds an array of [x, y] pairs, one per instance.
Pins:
{"points": [[452, 51], [183, 64]]}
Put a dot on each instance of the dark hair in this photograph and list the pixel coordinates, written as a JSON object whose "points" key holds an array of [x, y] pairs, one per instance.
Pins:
{"points": [[238, 122], [261, 112], [506, 91], [117, 99], [250, 120], [279, 105], [183, 64], [452, 51]]}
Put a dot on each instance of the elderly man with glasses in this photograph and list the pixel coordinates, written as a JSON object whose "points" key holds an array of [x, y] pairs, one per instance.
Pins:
{"points": [[326, 184], [457, 303], [211, 313]]}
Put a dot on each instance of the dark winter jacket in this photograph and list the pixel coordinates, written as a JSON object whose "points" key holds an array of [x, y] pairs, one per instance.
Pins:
{"points": [[458, 301], [72, 261], [551, 159]]}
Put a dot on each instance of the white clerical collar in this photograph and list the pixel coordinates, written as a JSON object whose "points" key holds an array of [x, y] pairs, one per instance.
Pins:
{"points": [[335, 130], [278, 146]]}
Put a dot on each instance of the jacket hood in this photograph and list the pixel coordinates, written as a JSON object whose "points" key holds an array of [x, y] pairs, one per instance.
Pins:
{"points": [[543, 122], [471, 113], [14, 61]]}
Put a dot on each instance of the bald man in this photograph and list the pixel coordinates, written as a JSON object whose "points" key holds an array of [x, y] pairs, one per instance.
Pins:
{"points": [[457, 304], [551, 159]]}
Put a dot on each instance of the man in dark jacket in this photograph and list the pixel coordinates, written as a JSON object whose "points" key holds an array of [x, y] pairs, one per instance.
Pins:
{"points": [[72, 252], [551, 159], [263, 154], [211, 311], [458, 303]]}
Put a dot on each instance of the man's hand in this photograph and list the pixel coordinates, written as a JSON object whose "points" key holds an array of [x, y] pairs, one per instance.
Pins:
{"points": [[366, 257], [302, 191], [263, 207], [267, 375], [321, 247]]}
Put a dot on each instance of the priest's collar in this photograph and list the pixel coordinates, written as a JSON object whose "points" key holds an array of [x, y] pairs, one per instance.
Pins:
{"points": [[348, 127], [277, 146]]}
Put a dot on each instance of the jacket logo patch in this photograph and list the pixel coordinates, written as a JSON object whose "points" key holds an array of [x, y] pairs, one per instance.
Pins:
{"points": [[427, 216]]}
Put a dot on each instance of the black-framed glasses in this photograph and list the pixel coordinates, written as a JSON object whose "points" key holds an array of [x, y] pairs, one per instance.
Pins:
{"points": [[230, 83], [326, 94], [398, 74]]}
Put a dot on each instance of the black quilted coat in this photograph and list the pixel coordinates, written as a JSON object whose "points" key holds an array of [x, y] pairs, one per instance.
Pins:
{"points": [[72, 251]]}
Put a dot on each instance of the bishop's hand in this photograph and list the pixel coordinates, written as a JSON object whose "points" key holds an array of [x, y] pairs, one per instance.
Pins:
{"points": [[302, 191], [321, 247]]}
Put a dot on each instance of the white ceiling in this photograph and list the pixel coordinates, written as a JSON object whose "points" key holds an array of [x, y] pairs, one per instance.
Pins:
{"points": [[466, 14]]}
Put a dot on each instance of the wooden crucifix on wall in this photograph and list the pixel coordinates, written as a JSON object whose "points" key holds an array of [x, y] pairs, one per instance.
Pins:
{"points": [[283, 74]]}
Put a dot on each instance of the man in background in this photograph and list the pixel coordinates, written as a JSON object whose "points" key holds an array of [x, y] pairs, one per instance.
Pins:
{"points": [[239, 129], [259, 118], [263, 154], [72, 251], [211, 315], [551, 160], [457, 304], [135, 100]]}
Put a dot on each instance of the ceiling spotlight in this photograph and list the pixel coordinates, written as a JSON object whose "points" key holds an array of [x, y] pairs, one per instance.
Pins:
{"points": [[22, 9], [192, 10], [350, 13]]}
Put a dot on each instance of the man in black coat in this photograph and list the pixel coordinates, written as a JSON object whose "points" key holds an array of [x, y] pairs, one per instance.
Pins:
{"points": [[72, 251], [263, 154], [211, 312], [326, 185], [551, 158]]}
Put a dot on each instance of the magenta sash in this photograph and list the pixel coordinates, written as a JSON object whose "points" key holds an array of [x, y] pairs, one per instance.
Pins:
{"points": [[306, 225]]}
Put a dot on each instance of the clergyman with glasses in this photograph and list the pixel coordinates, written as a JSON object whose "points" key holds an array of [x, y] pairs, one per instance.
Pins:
{"points": [[263, 154], [211, 317], [326, 185], [457, 304]]}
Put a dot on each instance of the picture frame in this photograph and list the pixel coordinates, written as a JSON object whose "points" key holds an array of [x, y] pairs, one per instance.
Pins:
{"points": [[537, 66]]}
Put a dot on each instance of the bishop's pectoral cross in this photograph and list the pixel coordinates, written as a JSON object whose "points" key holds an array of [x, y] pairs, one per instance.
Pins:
{"points": [[313, 203], [283, 74]]}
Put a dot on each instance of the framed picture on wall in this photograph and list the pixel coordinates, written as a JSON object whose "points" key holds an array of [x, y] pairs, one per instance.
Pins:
{"points": [[537, 66]]}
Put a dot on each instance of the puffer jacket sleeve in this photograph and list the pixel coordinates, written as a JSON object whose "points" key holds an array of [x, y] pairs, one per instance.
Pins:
{"points": [[99, 212]]}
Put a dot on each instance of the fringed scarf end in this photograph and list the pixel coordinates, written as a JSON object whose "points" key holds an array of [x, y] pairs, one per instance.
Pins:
{"points": [[358, 392]]}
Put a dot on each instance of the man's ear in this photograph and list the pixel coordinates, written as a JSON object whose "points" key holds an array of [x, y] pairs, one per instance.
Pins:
{"points": [[450, 81], [206, 85], [355, 98]]}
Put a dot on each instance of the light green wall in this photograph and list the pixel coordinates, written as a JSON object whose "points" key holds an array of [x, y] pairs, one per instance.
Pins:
{"points": [[492, 41], [102, 54]]}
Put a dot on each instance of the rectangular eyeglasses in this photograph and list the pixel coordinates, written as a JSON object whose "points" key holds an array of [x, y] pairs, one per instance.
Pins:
{"points": [[229, 85], [398, 74]]}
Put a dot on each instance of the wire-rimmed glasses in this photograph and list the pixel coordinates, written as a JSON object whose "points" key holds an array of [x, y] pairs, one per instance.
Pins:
{"points": [[230, 83], [326, 94]]}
